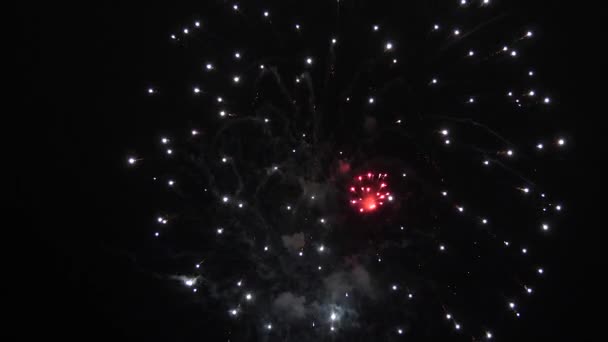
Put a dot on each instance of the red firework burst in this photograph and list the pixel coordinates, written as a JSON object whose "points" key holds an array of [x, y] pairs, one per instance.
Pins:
{"points": [[369, 192]]}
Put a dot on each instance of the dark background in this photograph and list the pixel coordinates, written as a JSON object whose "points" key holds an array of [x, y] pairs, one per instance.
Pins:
{"points": [[80, 67]]}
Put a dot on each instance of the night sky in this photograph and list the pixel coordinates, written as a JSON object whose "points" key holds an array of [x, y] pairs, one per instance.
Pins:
{"points": [[91, 267]]}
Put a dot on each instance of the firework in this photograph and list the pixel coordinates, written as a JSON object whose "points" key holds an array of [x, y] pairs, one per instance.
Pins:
{"points": [[296, 144]]}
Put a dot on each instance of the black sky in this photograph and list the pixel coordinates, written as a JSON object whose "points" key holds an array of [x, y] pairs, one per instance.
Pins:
{"points": [[80, 68]]}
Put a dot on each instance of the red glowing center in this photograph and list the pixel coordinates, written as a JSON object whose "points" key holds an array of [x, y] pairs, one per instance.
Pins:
{"points": [[369, 202], [369, 192]]}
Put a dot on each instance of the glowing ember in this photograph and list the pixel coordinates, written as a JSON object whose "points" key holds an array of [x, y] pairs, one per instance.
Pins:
{"points": [[369, 192]]}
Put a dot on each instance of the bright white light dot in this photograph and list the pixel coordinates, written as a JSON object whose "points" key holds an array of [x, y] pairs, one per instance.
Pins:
{"points": [[531, 93], [169, 151], [235, 7], [547, 100], [461, 209], [530, 73], [222, 113], [505, 48], [170, 183], [510, 94], [297, 27], [220, 230], [186, 31], [539, 146], [471, 53], [194, 132], [400, 331], [309, 61], [321, 248], [131, 160], [376, 27], [484, 221], [189, 282], [471, 100], [236, 79], [394, 61], [540, 271], [529, 34], [164, 222], [526, 190], [558, 207], [489, 335], [301, 254], [371, 100], [225, 199], [485, 2], [410, 296], [320, 268], [442, 248], [506, 243], [248, 296], [197, 24], [333, 316], [512, 305], [269, 326], [389, 46], [197, 90], [240, 205], [545, 226], [156, 234], [288, 207], [561, 142], [237, 55], [209, 66], [394, 287], [265, 248], [233, 312], [266, 14], [390, 198], [529, 290], [435, 27], [514, 53], [448, 316], [456, 32], [486, 162], [463, 2], [239, 283], [159, 219], [334, 41], [447, 142], [510, 152], [457, 326], [444, 193], [150, 90], [173, 36], [524, 251], [219, 99], [445, 132], [403, 175]]}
